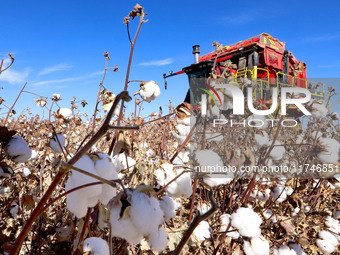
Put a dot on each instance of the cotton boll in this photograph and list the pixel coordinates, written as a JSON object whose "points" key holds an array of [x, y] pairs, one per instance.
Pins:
{"points": [[247, 222], [213, 180], [96, 245], [225, 219], [184, 183], [202, 231], [149, 91], [57, 141], [185, 121], [325, 246], [268, 214], [261, 139], [65, 113], [158, 240], [18, 150], [284, 250], [145, 213], [297, 248], [329, 153], [333, 224], [278, 151], [182, 158], [25, 171], [182, 130], [203, 208], [295, 212], [181, 186], [85, 163], [279, 194], [122, 162], [168, 207], [329, 237], [318, 110], [256, 246], [76, 201], [123, 227], [14, 210], [207, 159], [34, 155]]}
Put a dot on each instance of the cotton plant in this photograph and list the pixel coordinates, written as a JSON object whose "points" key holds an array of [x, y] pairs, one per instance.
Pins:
{"points": [[96, 246], [18, 150], [207, 159], [247, 222], [182, 186], [57, 143], [149, 91], [256, 246], [140, 215], [99, 164]]}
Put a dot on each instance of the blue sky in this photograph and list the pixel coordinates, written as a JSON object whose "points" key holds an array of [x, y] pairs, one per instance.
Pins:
{"points": [[59, 45]]}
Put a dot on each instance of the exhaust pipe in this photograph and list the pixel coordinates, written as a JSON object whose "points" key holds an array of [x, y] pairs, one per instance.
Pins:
{"points": [[196, 52]]}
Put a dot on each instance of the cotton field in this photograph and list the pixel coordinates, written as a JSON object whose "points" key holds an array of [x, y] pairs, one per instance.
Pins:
{"points": [[114, 182]]}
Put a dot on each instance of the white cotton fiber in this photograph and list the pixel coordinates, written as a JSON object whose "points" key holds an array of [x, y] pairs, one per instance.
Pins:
{"points": [[279, 194], [158, 240], [85, 163], [96, 245], [278, 151], [167, 205], [256, 246], [18, 150], [202, 231], [225, 219], [106, 169], [284, 250], [330, 150], [325, 246], [123, 227], [329, 237], [145, 213], [247, 222], [76, 201], [55, 145]]}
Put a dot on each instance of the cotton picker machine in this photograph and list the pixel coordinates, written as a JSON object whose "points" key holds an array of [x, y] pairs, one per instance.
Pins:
{"points": [[262, 62]]}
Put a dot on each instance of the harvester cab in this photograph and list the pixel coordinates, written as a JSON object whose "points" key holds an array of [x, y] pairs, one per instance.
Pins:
{"points": [[261, 62]]}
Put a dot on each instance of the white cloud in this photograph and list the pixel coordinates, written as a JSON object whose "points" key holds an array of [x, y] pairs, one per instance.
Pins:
{"points": [[12, 76], [60, 67], [41, 83], [162, 62]]}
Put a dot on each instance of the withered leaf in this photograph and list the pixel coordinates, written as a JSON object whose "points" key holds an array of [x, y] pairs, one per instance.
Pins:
{"points": [[28, 201]]}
